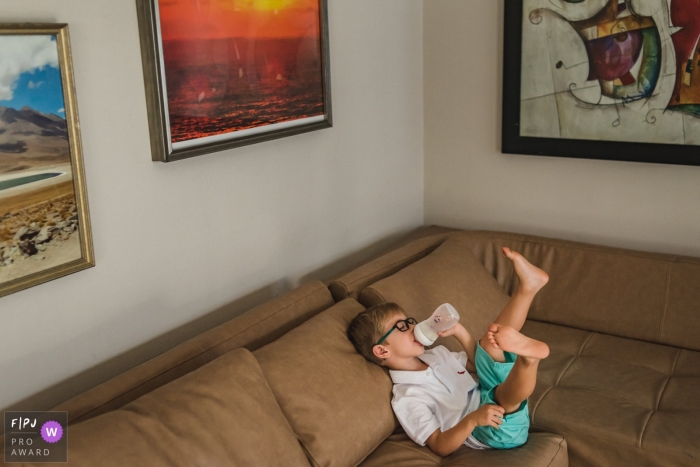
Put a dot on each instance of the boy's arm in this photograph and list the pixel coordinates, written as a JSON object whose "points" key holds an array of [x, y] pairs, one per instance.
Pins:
{"points": [[444, 443], [465, 339]]}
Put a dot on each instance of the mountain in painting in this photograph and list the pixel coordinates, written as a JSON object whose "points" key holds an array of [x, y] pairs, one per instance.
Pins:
{"points": [[31, 139]]}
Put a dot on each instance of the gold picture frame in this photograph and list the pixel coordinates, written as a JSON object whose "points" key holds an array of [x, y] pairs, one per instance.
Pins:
{"points": [[44, 218], [216, 81]]}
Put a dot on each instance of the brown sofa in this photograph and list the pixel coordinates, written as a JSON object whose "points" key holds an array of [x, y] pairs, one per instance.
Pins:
{"points": [[281, 384]]}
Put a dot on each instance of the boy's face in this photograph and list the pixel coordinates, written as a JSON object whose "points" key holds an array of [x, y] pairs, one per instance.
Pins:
{"points": [[399, 345]]}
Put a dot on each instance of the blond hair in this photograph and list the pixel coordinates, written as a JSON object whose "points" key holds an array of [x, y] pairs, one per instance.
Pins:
{"points": [[368, 327]]}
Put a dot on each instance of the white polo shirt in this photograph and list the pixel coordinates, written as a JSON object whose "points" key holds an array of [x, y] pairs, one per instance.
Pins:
{"points": [[439, 397]]}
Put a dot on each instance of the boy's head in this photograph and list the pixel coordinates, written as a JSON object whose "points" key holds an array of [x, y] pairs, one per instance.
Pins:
{"points": [[370, 326]]}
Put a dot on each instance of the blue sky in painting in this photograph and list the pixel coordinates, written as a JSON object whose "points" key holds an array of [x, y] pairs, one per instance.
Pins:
{"points": [[29, 73], [39, 89]]}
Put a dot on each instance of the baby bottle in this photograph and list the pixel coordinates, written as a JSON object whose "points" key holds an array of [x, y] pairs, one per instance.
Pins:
{"points": [[443, 318]]}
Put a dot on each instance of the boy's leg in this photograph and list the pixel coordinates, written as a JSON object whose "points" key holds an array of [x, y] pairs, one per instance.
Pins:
{"points": [[532, 279], [521, 380]]}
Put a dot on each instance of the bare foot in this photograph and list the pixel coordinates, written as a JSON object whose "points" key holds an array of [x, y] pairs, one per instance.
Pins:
{"points": [[508, 339], [531, 277]]}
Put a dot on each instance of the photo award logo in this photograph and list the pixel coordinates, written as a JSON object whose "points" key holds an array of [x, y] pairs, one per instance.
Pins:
{"points": [[32, 436]]}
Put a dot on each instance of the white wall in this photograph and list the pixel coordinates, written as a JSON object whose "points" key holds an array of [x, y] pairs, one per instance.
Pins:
{"points": [[470, 184], [175, 242]]}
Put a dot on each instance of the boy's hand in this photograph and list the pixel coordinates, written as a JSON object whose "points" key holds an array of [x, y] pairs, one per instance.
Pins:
{"points": [[488, 415], [456, 329]]}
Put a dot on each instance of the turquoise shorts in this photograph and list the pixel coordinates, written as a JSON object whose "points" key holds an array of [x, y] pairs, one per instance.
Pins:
{"points": [[513, 432]]}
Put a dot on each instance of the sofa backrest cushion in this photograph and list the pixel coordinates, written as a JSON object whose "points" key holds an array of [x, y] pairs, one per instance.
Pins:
{"points": [[635, 294], [220, 414], [251, 330], [450, 274], [612, 292], [337, 403], [417, 246]]}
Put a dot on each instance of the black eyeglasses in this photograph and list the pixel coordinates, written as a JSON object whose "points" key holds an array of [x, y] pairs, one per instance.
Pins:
{"points": [[402, 325]]}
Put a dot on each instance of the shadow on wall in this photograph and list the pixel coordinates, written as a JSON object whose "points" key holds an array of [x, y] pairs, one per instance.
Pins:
{"points": [[350, 261]]}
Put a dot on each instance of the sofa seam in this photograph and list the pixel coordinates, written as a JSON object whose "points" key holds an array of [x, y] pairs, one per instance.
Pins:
{"points": [[556, 385], [658, 401], [663, 311], [644, 427], [557, 453], [411, 448], [308, 454], [604, 440], [199, 354], [585, 388], [668, 378], [585, 343], [375, 291], [537, 406], [605, 334], [345, 287], [675, 363], [580, 350]]}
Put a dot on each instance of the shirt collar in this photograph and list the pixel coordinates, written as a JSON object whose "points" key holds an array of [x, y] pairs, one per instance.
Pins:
{"points": [[409, 377], [417, 376], [430, 358]]}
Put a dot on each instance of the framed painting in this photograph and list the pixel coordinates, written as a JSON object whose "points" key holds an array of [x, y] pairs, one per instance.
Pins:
{"points": [[226, 73], [44, 221], [603, 79]]}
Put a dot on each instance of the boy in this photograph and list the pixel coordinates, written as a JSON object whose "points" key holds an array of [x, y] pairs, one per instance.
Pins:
{"points": [[435, 399]]}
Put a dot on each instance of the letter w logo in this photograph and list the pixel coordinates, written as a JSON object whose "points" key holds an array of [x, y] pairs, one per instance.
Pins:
{"points": [[52, 431]]}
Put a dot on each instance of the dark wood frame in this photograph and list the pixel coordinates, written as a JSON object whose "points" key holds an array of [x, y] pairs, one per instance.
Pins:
{"points": [[155, 97], [513, 143]]}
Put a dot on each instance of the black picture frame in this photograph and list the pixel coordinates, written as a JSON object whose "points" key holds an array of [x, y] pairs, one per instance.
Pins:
{"points": [[513, 143]]}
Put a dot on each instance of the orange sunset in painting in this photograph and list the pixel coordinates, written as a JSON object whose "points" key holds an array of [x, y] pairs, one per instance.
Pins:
{"points": [[232, 65]]}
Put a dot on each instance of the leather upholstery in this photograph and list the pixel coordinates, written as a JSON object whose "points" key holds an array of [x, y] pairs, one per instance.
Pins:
{"points": [[251, 330], [222, 414], [620, 399], [617, 401], [338, 403], [541, 450], [621, 383], [627, 293]]}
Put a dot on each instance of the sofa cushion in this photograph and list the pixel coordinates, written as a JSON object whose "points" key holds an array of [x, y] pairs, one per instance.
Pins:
{"points": [[628, 293], [618, 401], [450, 274], [253, 329], [337, 403], [635, 294], [220, 414], [541, 450], [419, 244]]}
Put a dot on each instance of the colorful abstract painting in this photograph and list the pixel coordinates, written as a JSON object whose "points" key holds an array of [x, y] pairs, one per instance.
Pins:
{"points": [[235, 68], [611, 70]]}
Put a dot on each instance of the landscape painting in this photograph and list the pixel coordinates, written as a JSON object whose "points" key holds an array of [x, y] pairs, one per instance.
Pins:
{"points": [[235, 72], [43, 213], [605, 71]]}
